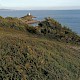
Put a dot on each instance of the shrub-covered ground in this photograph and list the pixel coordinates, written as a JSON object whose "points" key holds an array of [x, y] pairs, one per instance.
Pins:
{"points": [[38, 56], [48, 28], [28, 57]]}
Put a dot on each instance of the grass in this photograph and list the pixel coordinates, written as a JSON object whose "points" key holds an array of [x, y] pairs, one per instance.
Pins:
{"points": [[47, 52], [24, 56]]}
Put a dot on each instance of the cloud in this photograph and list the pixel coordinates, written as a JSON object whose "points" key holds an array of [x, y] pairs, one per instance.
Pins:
{"points": [[0, 5], [39, 4]]}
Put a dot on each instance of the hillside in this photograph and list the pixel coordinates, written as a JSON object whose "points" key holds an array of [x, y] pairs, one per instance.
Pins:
{"points": [[28, 53]]}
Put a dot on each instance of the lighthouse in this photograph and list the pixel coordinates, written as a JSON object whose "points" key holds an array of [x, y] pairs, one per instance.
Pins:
{"points": [[29, 14]]}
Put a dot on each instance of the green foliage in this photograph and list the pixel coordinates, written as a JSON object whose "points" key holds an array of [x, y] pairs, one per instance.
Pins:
{"points": [[29, 57], [48, 28], [54, 30], [41, 55], [31, 29]]}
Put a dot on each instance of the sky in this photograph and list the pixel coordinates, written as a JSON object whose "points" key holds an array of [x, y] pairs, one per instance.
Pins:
{"points": [[40, 4]]}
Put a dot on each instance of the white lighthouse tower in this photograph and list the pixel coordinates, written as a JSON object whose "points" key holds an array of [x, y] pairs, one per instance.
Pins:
{"points": [[29, 14]]}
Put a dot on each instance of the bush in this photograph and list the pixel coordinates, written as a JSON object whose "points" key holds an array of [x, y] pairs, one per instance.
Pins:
{"points": [[31, 30]]}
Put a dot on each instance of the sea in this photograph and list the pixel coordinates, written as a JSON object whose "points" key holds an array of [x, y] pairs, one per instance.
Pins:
{"points": [[69, 18]]}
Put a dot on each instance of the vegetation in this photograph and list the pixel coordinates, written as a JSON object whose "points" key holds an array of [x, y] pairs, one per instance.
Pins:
{"points": [[54, 30], [38, 53], [17, 24], [48, 28]]}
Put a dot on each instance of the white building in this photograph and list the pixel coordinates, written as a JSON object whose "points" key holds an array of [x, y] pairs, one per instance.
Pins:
{"points": [[29, 14]]}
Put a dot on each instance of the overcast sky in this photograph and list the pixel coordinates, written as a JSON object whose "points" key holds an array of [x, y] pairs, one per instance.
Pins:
{"points": [[40, 4]]}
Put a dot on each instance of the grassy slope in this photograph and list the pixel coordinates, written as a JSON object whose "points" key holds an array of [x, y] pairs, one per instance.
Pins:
{"points": [[27, 57]]}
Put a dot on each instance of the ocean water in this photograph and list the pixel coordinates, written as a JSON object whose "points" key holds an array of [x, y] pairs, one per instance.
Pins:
{"points": [[69, 18]]}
